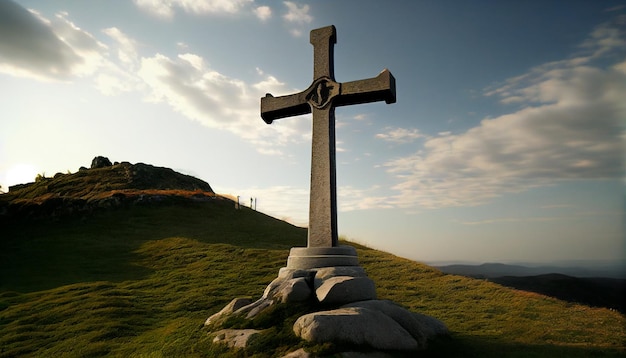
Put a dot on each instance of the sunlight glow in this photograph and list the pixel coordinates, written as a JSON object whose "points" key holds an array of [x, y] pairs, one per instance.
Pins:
{"points": [[20, 174]]}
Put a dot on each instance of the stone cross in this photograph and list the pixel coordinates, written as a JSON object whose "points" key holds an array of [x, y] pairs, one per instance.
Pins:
{"points": [[321, 98]]}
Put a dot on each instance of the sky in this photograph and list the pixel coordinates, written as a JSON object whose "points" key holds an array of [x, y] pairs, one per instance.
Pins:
{"points": [[506, 144]]}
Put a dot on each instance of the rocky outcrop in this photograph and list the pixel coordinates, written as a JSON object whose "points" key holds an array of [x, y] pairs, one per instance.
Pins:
{"points": [[101, 187], [379, 324], [100, 162], [229, 309], [420, 326], [235, 338], [349, 312], [355, 325], [344, 289]]}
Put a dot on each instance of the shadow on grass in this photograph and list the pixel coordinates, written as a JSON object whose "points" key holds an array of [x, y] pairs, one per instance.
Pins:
{"points": [[590, 291], [48, 253], [472, 346]]}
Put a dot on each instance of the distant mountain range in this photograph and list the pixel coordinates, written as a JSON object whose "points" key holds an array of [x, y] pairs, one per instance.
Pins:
{"points": [[592, 291], [599, 286], [613, 269]]}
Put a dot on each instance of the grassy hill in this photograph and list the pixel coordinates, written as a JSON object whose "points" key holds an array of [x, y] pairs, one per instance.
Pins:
{"points": [[592, 291], [138, 278]]}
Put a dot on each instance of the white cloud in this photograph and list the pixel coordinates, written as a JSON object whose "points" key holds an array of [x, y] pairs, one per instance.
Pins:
{"points": [[400, 135], [119, 76], [516, 219], [263, 12], [270, 84], [295, 32], [569, 126], [110, 85], [127, 47], [297, 14], [165, 8], [218, 101], [606, 37], [159, 8], [571, 215], [351, 198], [57, 49], [36, 47]]}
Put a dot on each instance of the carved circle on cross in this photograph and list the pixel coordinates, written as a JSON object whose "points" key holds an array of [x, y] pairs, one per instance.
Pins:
{"points": [[322, 91]]}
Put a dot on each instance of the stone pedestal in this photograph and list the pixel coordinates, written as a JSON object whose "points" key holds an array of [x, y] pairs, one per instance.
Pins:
{"points": [[306, 258], [331, 279]]}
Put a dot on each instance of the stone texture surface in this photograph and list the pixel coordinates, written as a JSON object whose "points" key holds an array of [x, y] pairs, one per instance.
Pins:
{"points": [[327, 272], [300, 353], [253, 309], [345, 289], [357, 318], [354, 325], [339, 285], [285, 272], [235, 338], [419, 326], [295, 290], [294, 286], [234, 305], [100, 162], [380, 324], [360, 319], [308, 258]]}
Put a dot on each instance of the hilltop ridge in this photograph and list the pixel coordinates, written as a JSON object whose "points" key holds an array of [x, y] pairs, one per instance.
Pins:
{"points": [[101, 186]]}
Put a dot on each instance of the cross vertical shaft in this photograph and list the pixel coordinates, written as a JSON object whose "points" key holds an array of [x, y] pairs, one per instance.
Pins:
{"points": [[323, 195]]}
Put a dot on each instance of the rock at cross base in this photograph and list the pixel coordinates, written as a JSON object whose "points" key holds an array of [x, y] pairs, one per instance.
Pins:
{"points": [[301, 353], [100, 162], [343, 284], [346, 289], [235, 338], [379, 324], [420, 326], [354, 325], [290, 286], [233, 306]]}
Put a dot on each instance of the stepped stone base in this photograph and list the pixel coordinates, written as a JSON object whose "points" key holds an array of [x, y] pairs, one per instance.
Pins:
{"points": [[332, 279], [304, 258]]}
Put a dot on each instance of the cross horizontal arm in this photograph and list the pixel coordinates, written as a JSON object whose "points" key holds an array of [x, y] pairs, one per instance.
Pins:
{"points": [[284, 106], [379, 88]]}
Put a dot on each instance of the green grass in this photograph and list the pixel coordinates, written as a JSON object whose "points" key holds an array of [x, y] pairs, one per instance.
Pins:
{"points": [[46, 254], [141, 281]]}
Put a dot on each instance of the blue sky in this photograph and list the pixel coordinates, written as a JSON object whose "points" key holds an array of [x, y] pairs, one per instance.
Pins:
{"points": [[506, 142]]}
